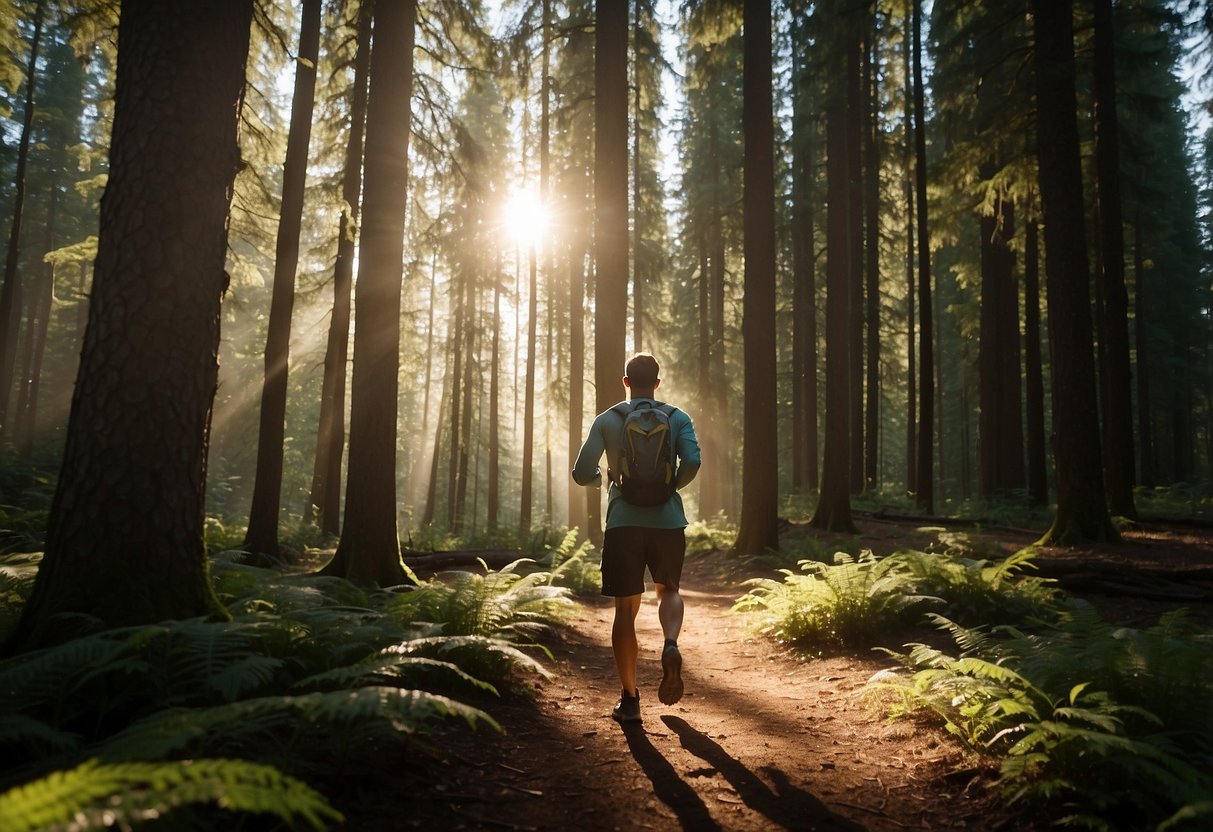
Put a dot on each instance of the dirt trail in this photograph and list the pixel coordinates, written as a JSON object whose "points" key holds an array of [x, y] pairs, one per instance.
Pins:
{"points": [[762, 740]]}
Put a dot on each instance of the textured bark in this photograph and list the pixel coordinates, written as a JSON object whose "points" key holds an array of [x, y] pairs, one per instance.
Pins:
{"points": [[330, 435], [758, 530], [369, 551], [494, 485], [924, 487], [262, 536], [611, 205], [853, 38], [1115, 377], [124, 538], [833, 511], [1081, 510], [1000, 427], [1145, 428], [804, 278], [871, 125], [528, 399], [1034, 391], [10, 290]]}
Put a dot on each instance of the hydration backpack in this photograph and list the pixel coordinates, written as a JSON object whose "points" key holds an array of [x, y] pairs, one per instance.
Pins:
{"points": [[646, 456]]}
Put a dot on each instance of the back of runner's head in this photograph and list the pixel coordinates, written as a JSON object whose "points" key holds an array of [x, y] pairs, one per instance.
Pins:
{"points": [[641, 371]]}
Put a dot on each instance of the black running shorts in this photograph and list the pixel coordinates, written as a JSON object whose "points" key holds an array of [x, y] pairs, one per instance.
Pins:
{"points": [[627, 550]]}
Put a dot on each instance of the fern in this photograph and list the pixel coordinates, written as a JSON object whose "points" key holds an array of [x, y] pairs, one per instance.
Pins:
{"points": [[96, 795]]}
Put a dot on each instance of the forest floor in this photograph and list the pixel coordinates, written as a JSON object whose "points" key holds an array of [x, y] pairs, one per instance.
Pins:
{"points": [[764, 738]]}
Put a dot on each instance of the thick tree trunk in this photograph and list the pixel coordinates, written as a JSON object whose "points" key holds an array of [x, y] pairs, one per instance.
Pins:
{"points": [[10, 290], [611, 202], [262, 536], [528, 403], [833, 511], [804, 312], [855, 125], [369, 551], [924, 488], [124, 538], [1116, 382], [759, 527], [1000, 427], [1081, 510], [330, 435], [871, 124]]}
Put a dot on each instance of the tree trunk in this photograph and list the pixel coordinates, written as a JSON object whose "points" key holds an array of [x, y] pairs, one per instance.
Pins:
{"points": [[578, 517], [35, 340], [369, 551], [494, 486], [1145, 429], [457, 396], [1116, 382], [1038, 475], [611, 201], [471, 386], [330, 435], [528, 403], [924, 488], [872, 207], [908, 196], [125, 532], [10, 291], [804, 313], [833, 511], [855, 124], [758, 530], [1081, 510], [1000, 429], [262, 536]]}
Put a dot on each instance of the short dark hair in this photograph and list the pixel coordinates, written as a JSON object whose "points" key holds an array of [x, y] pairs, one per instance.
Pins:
{"points": [[642, 370]]}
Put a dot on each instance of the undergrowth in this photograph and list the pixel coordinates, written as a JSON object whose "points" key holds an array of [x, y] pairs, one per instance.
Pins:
{"points": [[210, 718], [1095, 725]]}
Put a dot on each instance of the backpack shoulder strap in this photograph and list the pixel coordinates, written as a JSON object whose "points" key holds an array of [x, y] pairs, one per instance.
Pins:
{"points": [[668, 409], [623, 408]]}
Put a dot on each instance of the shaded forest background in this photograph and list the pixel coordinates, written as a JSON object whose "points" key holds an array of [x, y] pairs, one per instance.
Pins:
{"points": [[942, 349]]}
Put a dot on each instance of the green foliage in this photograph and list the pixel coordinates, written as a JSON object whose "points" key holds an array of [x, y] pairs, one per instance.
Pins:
{"points": [[1092, 721], [711, 535], [846, 603], [495, 603], [308, 666], [578, 567], [97, 795]]}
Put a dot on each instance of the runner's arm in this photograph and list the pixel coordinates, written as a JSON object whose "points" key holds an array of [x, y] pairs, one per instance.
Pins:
{"points": [[586, 470], [686, 447]]}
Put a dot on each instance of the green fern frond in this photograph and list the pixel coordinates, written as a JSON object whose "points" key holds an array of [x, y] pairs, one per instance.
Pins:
{"points": [[96, 795], [387, 665], [22, 730]]}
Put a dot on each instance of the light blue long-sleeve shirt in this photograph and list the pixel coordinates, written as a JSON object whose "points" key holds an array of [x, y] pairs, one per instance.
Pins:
{"points": [[606, 435]]}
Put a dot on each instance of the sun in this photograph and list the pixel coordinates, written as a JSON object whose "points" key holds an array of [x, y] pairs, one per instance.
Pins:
{"points": [[524, 217]]}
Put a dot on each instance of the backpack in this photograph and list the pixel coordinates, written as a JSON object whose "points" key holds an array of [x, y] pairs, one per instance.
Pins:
{"points": [[646, 457]]}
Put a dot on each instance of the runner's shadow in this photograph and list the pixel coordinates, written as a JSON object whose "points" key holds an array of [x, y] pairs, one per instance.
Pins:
{"points": [[669, 787], [789, 808]]}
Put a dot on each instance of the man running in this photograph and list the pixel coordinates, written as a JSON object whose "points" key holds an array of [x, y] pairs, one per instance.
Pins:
{"points": [[641, 530]]}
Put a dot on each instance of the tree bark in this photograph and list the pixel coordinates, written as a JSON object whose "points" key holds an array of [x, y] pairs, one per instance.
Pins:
{"points": [[1145, 428], [369, 551], [10, 291], [1038, 475], [124, 537], [853, 35], [804, 312], [908, 196], [611, 203], [833, 512], [758, 530], [330, 435], [871, 443], [1081, 510], [494, 485], [924, 488], [261, 540], [1116, 382]]}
